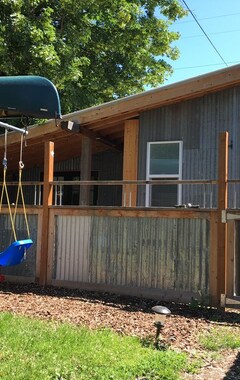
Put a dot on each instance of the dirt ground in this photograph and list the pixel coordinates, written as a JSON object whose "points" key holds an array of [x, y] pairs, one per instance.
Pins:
{"points": [[128, 315]]}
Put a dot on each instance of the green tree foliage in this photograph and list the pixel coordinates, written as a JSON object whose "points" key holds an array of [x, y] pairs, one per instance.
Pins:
{"points": [[93, 50]]}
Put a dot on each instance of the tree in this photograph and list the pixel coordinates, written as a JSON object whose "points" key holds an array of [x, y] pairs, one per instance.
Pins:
{"points": [[92, 50]]}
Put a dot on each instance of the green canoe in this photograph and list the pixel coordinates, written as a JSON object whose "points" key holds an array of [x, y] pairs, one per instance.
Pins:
{"points": [[33, 96]]}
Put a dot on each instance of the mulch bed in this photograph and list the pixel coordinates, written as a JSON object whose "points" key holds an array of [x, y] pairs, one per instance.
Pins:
{"points": [[125, 315]]}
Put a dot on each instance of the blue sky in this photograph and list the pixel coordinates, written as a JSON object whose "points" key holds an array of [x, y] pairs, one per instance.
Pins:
{"points": [[220, 19]]}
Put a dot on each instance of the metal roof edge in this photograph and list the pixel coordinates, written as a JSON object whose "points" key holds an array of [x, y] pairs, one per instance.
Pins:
{"points": [[209, 82]]}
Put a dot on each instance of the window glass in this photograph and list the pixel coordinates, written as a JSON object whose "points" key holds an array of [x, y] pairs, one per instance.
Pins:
{"points": [[164, 159], [164, 163]]}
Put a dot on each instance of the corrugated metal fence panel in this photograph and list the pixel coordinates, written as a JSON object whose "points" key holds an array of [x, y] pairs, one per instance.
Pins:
{"points": [[72, 241], [28, 267], [150, 253], [153, 253]]}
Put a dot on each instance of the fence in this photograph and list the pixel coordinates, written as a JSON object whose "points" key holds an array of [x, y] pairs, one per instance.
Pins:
{"points": [[153, 253]]}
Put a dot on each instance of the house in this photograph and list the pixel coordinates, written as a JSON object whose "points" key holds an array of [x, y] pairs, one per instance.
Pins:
{"points": [[145, 156]]}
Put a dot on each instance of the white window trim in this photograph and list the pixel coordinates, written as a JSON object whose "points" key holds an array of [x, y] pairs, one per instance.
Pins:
{"points": [[178, 177]]}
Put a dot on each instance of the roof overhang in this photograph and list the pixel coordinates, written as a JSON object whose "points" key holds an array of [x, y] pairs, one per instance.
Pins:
{"points": [[131, 106], [106, 121]]}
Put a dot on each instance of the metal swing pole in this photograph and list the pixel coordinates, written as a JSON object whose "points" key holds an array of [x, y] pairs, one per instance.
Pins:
{"points": [[13, 128]]}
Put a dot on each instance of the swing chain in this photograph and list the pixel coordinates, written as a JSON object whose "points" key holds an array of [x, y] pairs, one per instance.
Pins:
{"points": [[20, 190], [21, 164], [14, 253], [5, 190], [4, 162]]}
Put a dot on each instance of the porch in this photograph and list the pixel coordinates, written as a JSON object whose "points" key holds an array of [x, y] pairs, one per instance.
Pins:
{"points": [[172, 254]]}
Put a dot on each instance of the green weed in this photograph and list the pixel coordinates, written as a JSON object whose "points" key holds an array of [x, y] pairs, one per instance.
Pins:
{"points": [[219, 338]]}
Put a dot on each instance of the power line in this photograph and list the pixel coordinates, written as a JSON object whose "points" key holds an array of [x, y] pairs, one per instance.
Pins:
{"points": [[209, 18], [199, 66], [215, 33], [200, 26]]}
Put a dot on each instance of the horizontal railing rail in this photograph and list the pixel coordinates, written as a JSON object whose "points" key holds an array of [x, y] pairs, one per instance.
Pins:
{"points": [[201, 192], [130, 187], [136, 182]]}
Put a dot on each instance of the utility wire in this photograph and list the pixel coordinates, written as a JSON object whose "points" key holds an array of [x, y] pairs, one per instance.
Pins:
{"points": [[209, 18], [215, 33], [200, 26], [198, 66]]}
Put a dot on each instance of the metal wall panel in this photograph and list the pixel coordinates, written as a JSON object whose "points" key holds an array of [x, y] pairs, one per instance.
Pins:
{"points": [[197, 122], [72, 241], [153, 253], [166, 254], [28, 267]]}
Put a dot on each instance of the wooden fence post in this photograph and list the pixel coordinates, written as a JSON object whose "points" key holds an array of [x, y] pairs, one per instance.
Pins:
{"points": [[47, 201], [86, 165], [222, 205], [214, 299], [130, 162]]}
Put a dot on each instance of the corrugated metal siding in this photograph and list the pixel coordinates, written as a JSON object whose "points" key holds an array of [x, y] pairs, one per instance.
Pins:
{"points": [[72, 241], [166, 254], [28, 267], [197, 123]]}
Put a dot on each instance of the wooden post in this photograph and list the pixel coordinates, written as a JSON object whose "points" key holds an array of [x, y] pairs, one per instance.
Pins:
{"points": [[86, 164], [130, 162], [222, 205], [230, 259], [213, 260], [47, 201]]}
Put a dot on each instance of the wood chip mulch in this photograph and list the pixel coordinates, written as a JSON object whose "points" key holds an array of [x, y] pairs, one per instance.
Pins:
{"points": [[128, 316]]}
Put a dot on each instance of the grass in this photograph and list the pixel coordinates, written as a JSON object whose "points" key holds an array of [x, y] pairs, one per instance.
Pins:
{"points": [[32, 349], [220, 338]]}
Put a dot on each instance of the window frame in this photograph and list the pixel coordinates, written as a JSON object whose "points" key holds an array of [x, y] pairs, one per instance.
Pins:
{"points": [[178, 176]]}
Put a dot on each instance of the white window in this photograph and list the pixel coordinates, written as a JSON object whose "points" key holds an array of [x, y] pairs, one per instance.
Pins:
{"points": [[164, 162]]}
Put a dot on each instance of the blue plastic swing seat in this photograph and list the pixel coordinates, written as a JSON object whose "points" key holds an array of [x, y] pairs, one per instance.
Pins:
{"points": [[15, 253]]}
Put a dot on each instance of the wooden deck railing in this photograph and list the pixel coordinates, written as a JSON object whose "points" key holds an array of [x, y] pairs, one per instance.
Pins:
{"points": [[208, 190]]}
